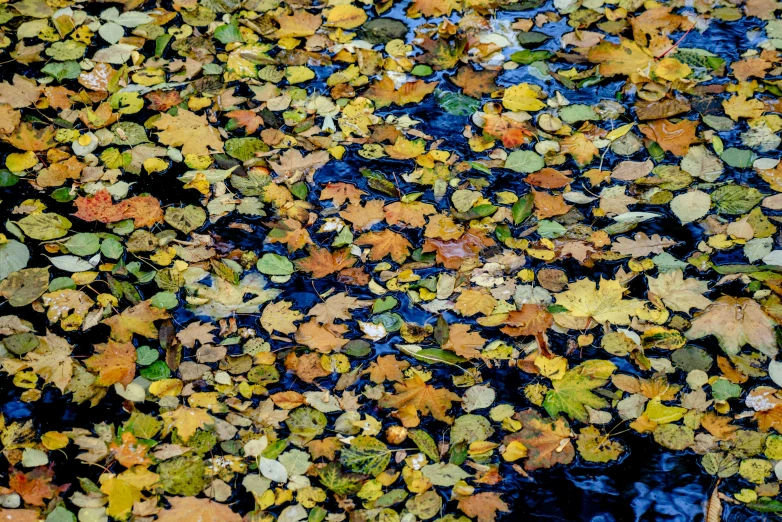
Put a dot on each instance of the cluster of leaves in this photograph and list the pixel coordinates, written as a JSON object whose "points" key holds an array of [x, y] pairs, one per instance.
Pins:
{"points": [[138, 141]]}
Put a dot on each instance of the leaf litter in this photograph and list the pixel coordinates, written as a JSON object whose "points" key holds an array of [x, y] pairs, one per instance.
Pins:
{"points": [[245, 223]]}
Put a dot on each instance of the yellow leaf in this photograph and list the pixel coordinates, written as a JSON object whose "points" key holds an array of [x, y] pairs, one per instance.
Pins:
{"points": [[346, 16], [584, 299], [514, 451], [523, 97], [619, 132], [21, 161], [185, 420]]}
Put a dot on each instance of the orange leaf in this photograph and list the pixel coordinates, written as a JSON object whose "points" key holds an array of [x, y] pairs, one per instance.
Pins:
{"points": [[413, 213], [35, 485], [672, 137], [192, 509], [144, 210], [321, 262], [114, 362], [324, 338], [547, 205], [137, 320], [483, 506], [424, 398], [386, 243]]}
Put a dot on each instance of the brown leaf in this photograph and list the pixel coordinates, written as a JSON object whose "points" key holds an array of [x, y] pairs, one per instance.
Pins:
{"points": [[672, 137]]}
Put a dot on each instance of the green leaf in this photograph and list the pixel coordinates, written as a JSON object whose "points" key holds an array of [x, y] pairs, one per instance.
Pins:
{"points": [[736, 199], [244, 149], [425, 443], [527, 56], [456, 103], [738, 158], [146, 355], [83, 244], [44, 226], [522, 209], [69, 70], [228, 33], [366, 455], [8, 179], [524, 161], [156, 371], [332, 477], [164, 300], [274, 264], [573, 392], [13, 256], [112, 248], [185, 219], [444, 475], [578, 112]]}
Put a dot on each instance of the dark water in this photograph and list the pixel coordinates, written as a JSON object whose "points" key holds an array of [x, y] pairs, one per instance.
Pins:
{"points": [[648, 483]]}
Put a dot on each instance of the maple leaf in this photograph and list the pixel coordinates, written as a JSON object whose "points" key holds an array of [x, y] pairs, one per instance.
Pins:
{"points": [[324, 338], [52, 360], [739, 106], [547, 440], [321, 262], [21, 93], [114, 362], [483, 506], [186, 421], [625, 58], [642, 245], [364, 217], [35, 486], [192, 509], [26, 137], [387, 368], [340, 192], [679, 294], [336, 307], [279, 316], [580, 148], [9, 119], [442, 226], [385, 243], [226, 298], [291, 233], [475, 83], [584, 299], [249, 120], [442, 53], [548, 205], [452, 254], [736, 321], [475, 301], [573, 392], [423, 397], [145, 211], [162, 101], [410, 213], [139, 320], [383, 92], [672, 137], [189, 131], [130, 452], [593, 446], [463, 342], [530, 320]]}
